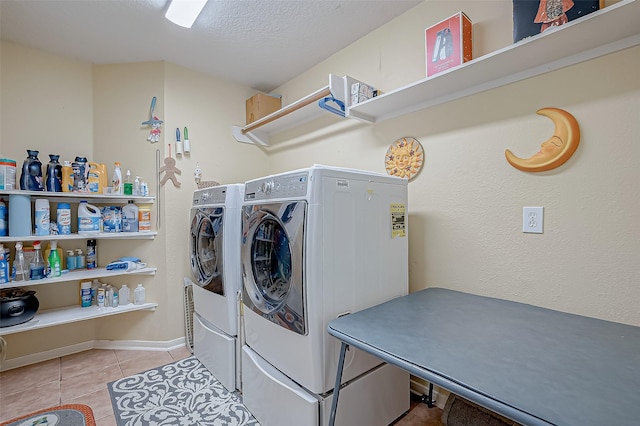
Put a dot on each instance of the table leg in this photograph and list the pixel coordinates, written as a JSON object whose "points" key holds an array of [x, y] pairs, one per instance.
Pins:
{"points": [[336, 388]]}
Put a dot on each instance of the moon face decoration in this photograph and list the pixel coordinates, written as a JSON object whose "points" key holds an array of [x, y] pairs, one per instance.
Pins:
{"points": [[404, 158], [556, 150]]}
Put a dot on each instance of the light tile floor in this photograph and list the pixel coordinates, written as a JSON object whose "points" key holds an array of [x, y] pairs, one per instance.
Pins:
{"points": [[82, 379], [76, 379]]}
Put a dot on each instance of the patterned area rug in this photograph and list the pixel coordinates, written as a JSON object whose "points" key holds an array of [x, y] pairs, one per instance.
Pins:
{"points": [[181, 393], [62, 415]]}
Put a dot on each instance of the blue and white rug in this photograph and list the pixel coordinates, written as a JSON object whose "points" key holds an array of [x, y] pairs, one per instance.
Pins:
{"points": [[183, 393]]}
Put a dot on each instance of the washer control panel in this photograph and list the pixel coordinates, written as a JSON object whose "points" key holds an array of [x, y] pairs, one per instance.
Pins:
{"points": [[280, 186]]}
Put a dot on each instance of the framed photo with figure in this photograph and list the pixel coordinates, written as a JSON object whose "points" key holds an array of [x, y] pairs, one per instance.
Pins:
{"points": [[531, 17]]}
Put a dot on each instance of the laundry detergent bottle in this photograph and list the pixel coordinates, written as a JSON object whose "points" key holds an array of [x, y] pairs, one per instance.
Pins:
{"points": [[54, 174], [31, 178]]}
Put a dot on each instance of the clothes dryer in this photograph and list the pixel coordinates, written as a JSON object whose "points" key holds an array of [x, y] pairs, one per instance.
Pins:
{"points": [[214, 247], [319, 243]]}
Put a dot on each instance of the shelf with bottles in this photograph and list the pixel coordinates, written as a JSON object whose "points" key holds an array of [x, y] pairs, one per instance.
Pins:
{"points": [[80, 274], [70, 314], [147, 235], [76, 197]]}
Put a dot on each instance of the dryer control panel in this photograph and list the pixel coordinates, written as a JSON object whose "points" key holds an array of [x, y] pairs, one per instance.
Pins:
{"points": [[280, 186], [208, 196]]}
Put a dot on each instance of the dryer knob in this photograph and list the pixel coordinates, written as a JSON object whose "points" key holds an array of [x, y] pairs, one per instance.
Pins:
{"points": [[268, 186]]}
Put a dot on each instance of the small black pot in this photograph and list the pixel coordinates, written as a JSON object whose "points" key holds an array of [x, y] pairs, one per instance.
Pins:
{"points": [[17, 306]]}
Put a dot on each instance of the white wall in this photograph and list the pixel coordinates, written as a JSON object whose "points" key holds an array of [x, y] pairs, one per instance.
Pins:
{"points": [[465, 207]]}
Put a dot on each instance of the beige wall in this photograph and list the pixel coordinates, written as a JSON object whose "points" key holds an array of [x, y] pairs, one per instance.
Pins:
{"points": [[97, 111], [465, 207]]}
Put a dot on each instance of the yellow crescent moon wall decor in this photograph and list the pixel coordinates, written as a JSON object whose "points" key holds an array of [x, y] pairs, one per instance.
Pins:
{"points": [[556, 150], [404, 158]]}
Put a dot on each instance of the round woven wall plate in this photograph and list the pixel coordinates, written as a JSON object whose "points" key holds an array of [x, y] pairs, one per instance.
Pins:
{"points": [[404, 158]]}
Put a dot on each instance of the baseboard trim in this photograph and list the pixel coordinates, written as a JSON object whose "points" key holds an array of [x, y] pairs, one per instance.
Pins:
{"points": [[140, 345]]}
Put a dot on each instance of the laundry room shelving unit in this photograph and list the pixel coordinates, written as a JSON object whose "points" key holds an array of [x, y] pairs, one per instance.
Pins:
{"points": [[74, 313], [611, 29], [299, 112]]}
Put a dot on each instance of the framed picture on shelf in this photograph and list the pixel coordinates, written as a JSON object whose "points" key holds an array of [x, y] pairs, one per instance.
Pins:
{"points": [[531, 17]]}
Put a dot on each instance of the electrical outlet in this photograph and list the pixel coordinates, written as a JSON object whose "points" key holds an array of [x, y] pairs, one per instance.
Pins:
{"points": [[532, 219]]}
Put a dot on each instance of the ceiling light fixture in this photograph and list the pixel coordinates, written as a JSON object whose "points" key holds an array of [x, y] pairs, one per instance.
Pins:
{"points": [[184, 12]]}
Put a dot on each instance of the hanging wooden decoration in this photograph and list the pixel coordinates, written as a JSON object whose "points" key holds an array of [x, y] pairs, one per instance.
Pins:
{"points": [[556, 150], [170, 170], [404, 158]]}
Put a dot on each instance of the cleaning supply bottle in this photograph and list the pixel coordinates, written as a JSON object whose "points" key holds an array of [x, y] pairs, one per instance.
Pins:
{"points": [[42, 216], [116, 180], [89, 218], [54, 174], [144, 218], [125, 295], [85, 293], [4, 267], [80, 259], [128, 185], [130, 217], [63, 218], [31, 177], [139, 295], [3, 219], [96, 177], [71, 260], [54, 260], [20, 269], [92, 262], [37, 266], [67, 177]]}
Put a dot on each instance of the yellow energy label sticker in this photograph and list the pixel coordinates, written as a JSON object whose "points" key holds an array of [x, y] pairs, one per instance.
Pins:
{"points": [[398, 220]]}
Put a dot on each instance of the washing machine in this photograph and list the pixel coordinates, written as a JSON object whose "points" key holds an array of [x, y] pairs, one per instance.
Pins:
{"points": [[214, 248], [319, 243]]}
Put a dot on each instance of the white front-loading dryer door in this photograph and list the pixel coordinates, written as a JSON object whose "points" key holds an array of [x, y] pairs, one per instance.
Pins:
{"points": [[205, 248], [272, 262]]}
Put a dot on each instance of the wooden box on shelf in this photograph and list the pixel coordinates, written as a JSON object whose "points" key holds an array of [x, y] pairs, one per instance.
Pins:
{"points": [[260, 105]]}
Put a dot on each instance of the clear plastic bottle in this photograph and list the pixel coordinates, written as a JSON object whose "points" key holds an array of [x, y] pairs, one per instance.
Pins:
{"points": [[130, 217], [125, 295], [54, 260], [36, 267], [139, 295], [136, 187], [20, 270]]}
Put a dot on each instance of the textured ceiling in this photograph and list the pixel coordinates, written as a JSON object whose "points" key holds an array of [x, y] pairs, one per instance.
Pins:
{"points": [[257, 43]]}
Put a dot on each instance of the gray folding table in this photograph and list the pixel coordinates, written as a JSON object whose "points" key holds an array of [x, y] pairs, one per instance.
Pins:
{"points": [[533, 365]]}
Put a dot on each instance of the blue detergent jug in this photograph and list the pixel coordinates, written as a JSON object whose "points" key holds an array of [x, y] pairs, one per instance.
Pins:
{"points": [[31, 178]]}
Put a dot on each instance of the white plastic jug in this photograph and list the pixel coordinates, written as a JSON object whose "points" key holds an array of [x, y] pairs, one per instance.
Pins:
{"points": [[89, 219], [130, 217]]}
